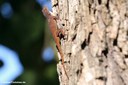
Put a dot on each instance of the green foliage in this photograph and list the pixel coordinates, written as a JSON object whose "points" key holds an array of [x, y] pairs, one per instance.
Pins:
{"points": [[25, 33]]}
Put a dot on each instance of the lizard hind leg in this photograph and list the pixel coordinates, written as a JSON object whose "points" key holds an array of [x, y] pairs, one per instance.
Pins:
{"points": [[61, 54]]}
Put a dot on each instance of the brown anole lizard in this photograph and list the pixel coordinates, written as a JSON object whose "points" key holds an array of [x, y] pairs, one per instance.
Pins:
{"points": [[55, 32]]}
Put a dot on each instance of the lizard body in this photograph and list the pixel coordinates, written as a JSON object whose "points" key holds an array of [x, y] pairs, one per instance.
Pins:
{"points": [[54, 30]]}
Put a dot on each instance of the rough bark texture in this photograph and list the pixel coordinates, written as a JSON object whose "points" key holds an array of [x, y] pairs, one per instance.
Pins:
{"points": [[96, 44]]}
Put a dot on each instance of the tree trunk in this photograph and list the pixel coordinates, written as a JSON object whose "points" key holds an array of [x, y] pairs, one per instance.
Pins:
{"points": [[96, 45]]}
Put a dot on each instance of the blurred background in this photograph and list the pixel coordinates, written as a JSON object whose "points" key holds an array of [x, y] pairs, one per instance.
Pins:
{"points": [[27, 50]]}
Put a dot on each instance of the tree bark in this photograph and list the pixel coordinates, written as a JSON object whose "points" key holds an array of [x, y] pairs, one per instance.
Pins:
{"points": [[96, 43]]}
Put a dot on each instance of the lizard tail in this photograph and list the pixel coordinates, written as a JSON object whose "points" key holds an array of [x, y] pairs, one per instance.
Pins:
{"points": [[62, 58]]}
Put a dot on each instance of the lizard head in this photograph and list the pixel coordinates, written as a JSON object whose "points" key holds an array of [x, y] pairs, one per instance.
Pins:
{"points": [[45, 11]]}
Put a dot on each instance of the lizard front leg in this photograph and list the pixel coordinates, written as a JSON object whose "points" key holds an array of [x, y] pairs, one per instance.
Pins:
{"points": [[60, 33]]}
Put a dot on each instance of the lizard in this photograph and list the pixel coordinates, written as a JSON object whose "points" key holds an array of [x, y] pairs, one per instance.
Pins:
{"points": [[55, 32]]}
